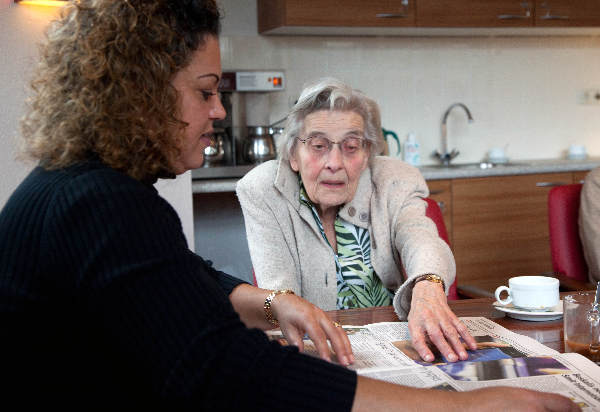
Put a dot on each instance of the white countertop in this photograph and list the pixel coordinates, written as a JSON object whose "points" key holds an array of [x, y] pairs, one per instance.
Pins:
{"points": [[516, 167]]}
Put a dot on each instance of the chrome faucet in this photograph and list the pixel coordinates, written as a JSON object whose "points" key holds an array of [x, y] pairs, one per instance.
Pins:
{"points": [[444, 156]]}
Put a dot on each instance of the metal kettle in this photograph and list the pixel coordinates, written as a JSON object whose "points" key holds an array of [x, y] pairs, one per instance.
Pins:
{"points": [[259, 146], [215, 152]]}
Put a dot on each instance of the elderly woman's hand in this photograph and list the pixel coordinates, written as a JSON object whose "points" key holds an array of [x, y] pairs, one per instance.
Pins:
{"points": [[297, 316], [430, 319]]}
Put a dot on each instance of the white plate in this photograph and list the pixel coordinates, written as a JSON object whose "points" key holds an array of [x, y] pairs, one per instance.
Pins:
{"points": [[554, 313]]}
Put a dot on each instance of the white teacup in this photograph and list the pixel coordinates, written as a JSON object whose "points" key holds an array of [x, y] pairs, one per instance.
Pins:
{"points": [[530, 292]]}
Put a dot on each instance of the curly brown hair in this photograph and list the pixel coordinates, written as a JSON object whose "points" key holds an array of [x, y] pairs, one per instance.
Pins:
{"points": [[103, 84]]}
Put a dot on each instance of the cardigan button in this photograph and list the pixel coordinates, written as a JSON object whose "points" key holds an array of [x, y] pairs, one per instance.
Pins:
{"points": [[351, 211], [364, 216]]}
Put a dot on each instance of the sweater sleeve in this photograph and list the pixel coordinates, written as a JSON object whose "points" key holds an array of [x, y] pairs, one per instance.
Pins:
{"points": [[589, 223], [164, 310], [273, 263], [415, 236]]}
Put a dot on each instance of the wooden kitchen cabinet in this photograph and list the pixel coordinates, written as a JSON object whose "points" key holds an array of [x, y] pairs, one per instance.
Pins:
{"points": [[273, 14], [475, 13], [569, 13], [413, 17], [578, 177], [441, 192], [500, 225]]}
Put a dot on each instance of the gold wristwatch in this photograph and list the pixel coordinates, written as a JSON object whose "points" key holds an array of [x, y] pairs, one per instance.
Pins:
{"points": [[430, 277]]}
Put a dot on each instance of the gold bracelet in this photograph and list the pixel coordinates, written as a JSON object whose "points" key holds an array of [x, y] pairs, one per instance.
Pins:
{"points": [[430, 277], [269, 301]]}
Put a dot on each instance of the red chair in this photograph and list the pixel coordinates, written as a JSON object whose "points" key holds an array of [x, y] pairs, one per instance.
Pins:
{"points": [[565, 244], [434, 212]]}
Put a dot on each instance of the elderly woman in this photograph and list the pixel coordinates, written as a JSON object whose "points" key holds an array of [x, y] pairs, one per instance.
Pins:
{"points": [[345, 228], [102, 303]]}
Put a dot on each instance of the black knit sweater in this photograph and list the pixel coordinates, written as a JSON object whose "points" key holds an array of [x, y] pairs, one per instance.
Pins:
{"points": [[103, 304]]}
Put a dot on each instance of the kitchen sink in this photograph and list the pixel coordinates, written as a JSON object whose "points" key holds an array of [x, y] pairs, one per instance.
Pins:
{"points": [[476, 165]]}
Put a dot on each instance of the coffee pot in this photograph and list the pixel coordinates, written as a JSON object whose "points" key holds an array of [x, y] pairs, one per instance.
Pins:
{"points": [[259, 146]]}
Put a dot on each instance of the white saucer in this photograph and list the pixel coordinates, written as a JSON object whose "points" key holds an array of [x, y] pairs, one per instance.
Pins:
{"points": [[554, 313]]}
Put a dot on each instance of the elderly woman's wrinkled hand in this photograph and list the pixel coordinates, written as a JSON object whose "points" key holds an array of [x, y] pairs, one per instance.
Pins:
{"points": [[431, 320], [297, 316]]}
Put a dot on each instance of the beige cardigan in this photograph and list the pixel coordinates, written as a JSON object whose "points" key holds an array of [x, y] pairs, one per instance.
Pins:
{"points": [[589, 223], [288, 251]]}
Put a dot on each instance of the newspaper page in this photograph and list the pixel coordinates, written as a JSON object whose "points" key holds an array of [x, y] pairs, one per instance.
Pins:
{"points": [[503, 358]]}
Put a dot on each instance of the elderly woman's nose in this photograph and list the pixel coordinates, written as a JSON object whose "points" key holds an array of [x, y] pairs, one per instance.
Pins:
{"points": [[335, 157]]}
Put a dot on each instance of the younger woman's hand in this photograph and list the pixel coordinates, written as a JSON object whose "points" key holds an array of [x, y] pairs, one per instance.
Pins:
{"points": [[297, 316]]}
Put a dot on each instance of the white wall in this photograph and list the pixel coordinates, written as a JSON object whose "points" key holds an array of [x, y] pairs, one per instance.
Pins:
{"points": [[21, 29], [523, 91]]}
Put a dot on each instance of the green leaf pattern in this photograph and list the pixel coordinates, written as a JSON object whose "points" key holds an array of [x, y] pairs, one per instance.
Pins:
{"points": [[358, 285]]}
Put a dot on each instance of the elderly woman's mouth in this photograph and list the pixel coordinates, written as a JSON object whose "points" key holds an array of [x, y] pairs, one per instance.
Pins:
{"points": [[333, 183]]}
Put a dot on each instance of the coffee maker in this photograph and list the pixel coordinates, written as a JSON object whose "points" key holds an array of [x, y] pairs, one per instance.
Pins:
{"points": [[239, 90]]}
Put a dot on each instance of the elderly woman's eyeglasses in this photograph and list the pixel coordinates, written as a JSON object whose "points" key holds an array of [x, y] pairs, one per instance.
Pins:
{"points": [[319, 145]]}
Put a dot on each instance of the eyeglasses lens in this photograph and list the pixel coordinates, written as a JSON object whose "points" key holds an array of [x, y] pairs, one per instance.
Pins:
{"points": [[349, 146]]}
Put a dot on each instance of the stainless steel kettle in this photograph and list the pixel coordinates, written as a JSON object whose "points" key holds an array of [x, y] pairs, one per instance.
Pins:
{"points": [[215, 152], [259, 146]]}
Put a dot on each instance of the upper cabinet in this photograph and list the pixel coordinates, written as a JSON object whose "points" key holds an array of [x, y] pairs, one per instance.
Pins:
{"points": [[428, 17], [475, 13], [567, 13], [273, 14]]}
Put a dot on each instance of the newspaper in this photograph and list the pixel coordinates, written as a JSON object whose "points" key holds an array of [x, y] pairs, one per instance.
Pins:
{"points": [[383, 351]]}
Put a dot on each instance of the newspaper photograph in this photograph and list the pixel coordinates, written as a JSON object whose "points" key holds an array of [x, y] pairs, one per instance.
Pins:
{"points": [[384, 351]]}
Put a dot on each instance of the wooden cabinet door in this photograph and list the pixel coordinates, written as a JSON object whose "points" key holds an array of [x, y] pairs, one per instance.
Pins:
{"points": [[441, 192], [500, 225], [578, 177], [475, 13], [343, 13], [571, 13]]}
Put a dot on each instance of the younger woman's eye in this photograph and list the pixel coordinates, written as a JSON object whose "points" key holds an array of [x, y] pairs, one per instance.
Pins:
{"points": [[207, 94]]}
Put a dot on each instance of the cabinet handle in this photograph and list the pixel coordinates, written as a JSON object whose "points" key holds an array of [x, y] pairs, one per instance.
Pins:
{"points": [[550, 184], [394, 15], [515, 16], [527, 14], [436, 192], [391, 15], [549, 16]]}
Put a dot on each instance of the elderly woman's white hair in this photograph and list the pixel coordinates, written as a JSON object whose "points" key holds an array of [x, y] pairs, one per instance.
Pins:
{"points": [[331, 94]]}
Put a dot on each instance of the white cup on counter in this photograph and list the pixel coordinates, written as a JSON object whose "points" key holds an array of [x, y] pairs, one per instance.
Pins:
{"points": [[534, 293], [576, 152], [497, 155]]}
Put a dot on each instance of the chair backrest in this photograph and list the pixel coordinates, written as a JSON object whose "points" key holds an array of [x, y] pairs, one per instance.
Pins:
{"points": [[565, 244], [435, 213]]}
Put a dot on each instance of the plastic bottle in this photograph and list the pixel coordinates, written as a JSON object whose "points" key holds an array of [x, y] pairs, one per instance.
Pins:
{"points": [[411, 150]]}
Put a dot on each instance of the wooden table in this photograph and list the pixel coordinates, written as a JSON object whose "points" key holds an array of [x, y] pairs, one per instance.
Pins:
{"points": [[549, 333]]}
